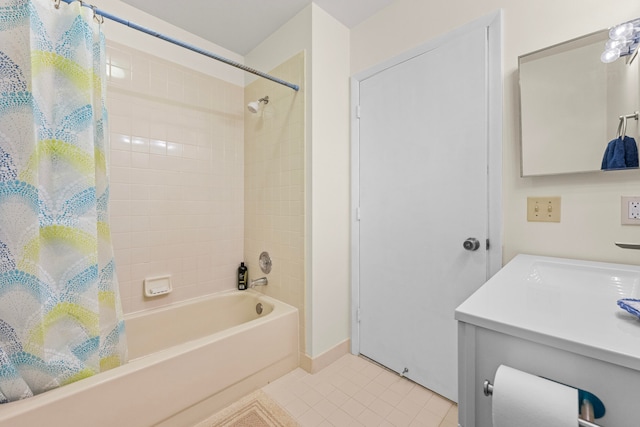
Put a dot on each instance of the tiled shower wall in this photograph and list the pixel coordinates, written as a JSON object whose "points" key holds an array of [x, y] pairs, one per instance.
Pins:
{"points": [[177, 183], [275, 185]]}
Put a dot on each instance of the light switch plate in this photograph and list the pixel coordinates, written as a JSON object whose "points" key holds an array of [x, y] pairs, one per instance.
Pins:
{"points": [[630, 210], [543, 209]]}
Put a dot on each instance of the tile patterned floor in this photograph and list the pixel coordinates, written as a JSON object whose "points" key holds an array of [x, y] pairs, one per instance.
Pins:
{"points": [[356, 392]]}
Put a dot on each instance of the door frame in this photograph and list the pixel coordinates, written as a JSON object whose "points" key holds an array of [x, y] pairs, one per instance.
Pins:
{"points": [[493, 24]]}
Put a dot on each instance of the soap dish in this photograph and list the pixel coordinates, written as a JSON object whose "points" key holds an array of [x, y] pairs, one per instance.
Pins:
{"points": [[631, 305], [157, 286]]}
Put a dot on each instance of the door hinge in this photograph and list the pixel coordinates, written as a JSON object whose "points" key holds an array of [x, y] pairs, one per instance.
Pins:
{"points": [[358, 213], [488, 245], [357, 111]]}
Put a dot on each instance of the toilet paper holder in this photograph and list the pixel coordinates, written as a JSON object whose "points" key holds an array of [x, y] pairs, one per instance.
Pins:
{"points": [[586, 406]]}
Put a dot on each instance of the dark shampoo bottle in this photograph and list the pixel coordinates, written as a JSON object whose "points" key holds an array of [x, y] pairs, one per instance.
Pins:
{"points": [[242, 277]]}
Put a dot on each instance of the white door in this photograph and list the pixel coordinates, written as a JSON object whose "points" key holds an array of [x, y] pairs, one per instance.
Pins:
{"points": [[423, 144]]}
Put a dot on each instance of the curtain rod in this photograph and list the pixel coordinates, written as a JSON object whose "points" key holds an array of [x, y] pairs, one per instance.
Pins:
{"points": [[98, 12]]}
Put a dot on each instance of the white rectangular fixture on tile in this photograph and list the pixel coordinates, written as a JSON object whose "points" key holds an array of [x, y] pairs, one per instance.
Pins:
{"points": [[630, 210], [156, 286]]}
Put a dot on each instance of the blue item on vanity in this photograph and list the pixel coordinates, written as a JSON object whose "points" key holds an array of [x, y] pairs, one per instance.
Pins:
{"points": [[631, 305], [621, 153]]}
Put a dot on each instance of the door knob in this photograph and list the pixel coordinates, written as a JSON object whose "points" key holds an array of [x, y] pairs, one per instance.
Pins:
{"points": [[471, 244]]}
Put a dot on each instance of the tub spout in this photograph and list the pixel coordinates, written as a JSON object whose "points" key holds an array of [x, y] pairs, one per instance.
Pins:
{"points": [[259, 282]]}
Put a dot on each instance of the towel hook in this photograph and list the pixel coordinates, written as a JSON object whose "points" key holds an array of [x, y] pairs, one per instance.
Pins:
{"points": [[622, 128], [622, 125]]}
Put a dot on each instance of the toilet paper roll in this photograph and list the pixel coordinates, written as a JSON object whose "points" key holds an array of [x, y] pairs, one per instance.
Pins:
{"points": [[525, 400]]}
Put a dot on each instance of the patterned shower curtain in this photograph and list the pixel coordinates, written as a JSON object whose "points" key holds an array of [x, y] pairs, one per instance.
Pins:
{"points": [[60, 313]]}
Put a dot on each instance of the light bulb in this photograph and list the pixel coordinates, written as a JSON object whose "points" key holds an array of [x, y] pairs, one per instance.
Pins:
{"points": [[616, 44], [621, 32], [610, 55]]}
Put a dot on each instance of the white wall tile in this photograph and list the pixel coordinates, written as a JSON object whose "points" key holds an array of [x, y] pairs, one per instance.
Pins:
{"points": [[164, 215], [274, 187]]}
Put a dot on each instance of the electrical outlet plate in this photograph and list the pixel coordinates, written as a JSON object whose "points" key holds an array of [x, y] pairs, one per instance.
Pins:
{"points": [[543, 209], [630, 210]]}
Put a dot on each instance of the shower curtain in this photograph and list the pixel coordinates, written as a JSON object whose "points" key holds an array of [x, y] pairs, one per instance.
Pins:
{"points": [[60, 313]]}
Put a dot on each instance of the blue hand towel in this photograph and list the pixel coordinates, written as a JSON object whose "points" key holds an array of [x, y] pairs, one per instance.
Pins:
{"points": [[620, 153]]}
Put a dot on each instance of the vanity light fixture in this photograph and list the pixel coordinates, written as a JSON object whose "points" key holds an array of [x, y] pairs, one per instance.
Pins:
{"points": [[623, 41]]}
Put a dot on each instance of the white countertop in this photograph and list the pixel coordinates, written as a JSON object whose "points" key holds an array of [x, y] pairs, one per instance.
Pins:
{"points": [[563, 303]]}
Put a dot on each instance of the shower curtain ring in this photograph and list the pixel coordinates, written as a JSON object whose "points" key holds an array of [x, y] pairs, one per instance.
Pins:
{"points": [[56, 4], [99, 18]]}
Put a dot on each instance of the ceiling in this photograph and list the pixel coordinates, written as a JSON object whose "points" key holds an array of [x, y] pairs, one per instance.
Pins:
{"points": [[240, 25]]}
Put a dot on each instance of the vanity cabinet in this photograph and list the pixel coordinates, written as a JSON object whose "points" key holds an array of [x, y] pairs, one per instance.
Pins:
{"points": [[558, 319]]}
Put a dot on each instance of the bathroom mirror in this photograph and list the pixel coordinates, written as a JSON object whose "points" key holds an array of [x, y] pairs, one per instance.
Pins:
{"points": [[570, 103]]}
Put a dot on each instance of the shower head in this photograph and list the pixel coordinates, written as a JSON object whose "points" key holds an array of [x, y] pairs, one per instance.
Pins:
{"points": [[254, 106]]}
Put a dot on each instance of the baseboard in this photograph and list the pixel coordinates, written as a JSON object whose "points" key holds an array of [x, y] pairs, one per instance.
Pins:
{"points": [[316, 364]]}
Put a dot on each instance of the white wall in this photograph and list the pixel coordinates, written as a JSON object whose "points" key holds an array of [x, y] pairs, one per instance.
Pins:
{"points": [[291, 38], [590, 202], [330, 193], [327, 166]]}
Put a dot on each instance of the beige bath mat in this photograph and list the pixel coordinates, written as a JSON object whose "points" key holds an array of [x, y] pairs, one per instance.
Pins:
{"points": [[254, 410]]}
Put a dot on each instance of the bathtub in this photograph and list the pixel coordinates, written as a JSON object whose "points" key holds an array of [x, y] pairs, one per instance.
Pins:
{"points": [[186, 362]]}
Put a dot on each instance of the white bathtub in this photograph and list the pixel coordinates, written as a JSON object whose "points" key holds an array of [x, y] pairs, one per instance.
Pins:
{"points": [[186, 362]]}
